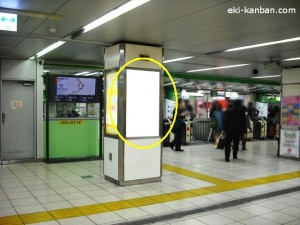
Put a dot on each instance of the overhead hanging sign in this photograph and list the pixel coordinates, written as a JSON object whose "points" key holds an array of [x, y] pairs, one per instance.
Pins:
{"points": [[8, 21], [185, 94], [231, 95]]}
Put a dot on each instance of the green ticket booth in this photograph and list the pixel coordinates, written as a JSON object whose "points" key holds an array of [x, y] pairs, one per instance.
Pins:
{"points": [[72, 118]]}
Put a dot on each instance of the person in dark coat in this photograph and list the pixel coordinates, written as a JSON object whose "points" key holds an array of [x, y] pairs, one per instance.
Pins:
{"points": [[218, 115], [252, 111], [212, 110], [179, 126], [234, 125], [243, 137]]}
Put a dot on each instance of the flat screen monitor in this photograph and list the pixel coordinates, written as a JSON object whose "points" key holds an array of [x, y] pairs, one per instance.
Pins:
{"points": [[74, 89]]}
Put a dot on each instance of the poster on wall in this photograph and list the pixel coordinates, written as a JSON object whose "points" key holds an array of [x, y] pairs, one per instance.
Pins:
{"points": [[170, 102], [113, 103], [262, 108], [169, 108], [289, 143], [290, 111]]}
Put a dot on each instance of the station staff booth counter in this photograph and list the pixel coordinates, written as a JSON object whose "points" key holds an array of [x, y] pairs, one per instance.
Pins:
{"points": [[72, 118], [136, 106]]}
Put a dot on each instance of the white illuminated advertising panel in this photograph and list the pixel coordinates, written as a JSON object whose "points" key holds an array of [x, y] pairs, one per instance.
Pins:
{"points": [[142, 103]]}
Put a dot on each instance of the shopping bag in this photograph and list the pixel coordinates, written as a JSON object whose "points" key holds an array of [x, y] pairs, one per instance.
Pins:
{"points": [[220, 142], [214, 122]]}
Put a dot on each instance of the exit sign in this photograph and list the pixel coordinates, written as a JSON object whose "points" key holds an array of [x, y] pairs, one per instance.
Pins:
{"points": [[8, 21]]}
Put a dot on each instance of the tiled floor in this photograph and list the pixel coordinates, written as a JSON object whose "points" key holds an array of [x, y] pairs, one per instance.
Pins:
{"points": [[37, 187], [254, 213]]}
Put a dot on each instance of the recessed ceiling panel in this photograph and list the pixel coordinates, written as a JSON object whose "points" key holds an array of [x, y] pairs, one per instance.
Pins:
{"points": [[28, 47], [153, 14], [77, 52], [76, 14]]}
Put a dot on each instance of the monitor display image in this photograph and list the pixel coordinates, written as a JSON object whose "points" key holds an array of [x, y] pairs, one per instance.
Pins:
{"points": [[74, 89], [75, 86]]}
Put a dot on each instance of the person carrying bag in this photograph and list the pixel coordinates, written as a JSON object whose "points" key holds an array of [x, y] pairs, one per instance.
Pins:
{"points": [[220, 142]]}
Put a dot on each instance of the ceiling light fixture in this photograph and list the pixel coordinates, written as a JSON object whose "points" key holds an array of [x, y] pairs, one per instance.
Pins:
{"points": [[170, 83], [114, 14], [178, 59], [216, 68], [100, 21], [90, 74], [200, 85], [263, 44], [262, 77], [291, 59], [185, 84], [81, 73], [48, 49]]}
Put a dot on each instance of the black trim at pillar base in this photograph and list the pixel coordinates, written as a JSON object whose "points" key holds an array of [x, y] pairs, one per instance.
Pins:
{"points": [[132, 182]]}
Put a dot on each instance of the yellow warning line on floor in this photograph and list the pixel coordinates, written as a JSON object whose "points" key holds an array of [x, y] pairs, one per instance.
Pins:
{"points": [[138, 202], [196, 175]]}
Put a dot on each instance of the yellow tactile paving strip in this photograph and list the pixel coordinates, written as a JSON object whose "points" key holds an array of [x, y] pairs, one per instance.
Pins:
{"points": [[196, 175], [143, 201]]}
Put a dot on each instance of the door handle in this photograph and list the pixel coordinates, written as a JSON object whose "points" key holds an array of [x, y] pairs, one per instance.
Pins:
{"points": [[3, 117]]}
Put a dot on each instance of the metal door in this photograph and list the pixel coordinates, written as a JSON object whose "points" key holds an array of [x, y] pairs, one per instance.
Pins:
{"points": [[17, 108]]}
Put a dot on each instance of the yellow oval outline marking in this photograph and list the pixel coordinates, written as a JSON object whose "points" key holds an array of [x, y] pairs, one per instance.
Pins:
{"points": [[111, 92]]}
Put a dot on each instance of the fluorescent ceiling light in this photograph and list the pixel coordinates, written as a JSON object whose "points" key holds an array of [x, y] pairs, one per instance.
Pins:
{"points": [[114, 14], [81, 73], [262, 77], [291, 59], [103, 19], [49, 48], [178, 59], [216, 68], [186, 84], [171, 83], [46, 71], [263, 44], [94, 73]]}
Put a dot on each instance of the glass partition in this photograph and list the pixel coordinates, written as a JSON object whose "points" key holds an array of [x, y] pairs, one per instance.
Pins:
{"points": [[73, 110]]}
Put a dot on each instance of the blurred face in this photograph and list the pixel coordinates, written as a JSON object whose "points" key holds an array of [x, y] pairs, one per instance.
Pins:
{"points": [[182, 105]]}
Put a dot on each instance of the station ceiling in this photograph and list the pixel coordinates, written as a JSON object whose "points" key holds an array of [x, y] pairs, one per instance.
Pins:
{"points": [[199, 28]]}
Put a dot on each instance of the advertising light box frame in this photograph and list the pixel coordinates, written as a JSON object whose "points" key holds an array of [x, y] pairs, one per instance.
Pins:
{"points": [[142, 105], [109, 130]]}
